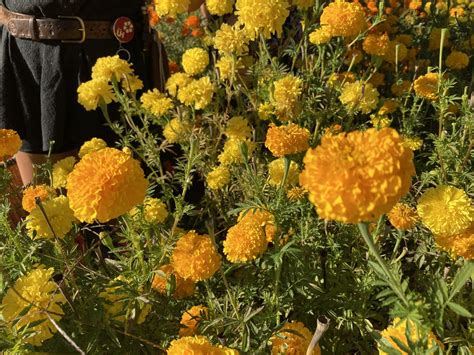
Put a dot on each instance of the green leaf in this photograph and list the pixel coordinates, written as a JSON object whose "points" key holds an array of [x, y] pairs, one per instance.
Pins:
{"points": [[461, 278], [459, 310]]}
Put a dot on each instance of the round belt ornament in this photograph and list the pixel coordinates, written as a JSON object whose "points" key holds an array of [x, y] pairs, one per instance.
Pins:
{"points": [[123, 29]]}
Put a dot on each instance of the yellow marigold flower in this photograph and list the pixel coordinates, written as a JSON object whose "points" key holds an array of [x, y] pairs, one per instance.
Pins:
{"points": [[218, 177], [460, 244], [195, 257], [156, 102], [183, 287], [177, 81], [231, 39], [380, 121], [90, 146], [414, 143], [285, 95], [389, 106], [261, 217], [109, 68], [396, 52], [321, 36], [177, 130], [376, 44], [346, 19], [401, 88], [339, 79], [302, 4], [195, 61], [232, 154], [293, 338], [30, 300], [190, 320], [61, 171], [357, 176], [94, 92], [228, 66], [60, 216], [197, 345], [435, 39], [288, 139], [154, 211], [118, 304], [359, 96], [131, 83], [30, 194], [426, 86], [238, 128], [245, 241], [402, 216], [457, 60], [265, 111], [276, 171], [398, 331], [171, 8], [296, 193], [220, 7], [198, 93], [105, 185], [10, 143], [262, 16], [445, 210]]}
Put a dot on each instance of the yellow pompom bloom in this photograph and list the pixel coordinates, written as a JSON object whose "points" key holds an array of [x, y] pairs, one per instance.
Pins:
{"points": [[190, 320], [402, 88], [320, 36], [119, 306], [94, 92], [109, 68], [218, 177], [445, 210], [156, 102], [220, 7], [339, 79], [197, 345], [60, 216], [359, 96], [262, 16], [30, 300], [380, 121], [376, 44], [231, 39], [195, 257], [302, 4], [276, 172], [245, 241], [358, 176], [10, 143], [177, 130], [285, 96], [183, 287], [402, 216], [262, 218], [265, 111], [228, 67], [346, 19], [238, 128], [30, 194], [293, 338], [289, 139], [389, 106], [105, 185], [61, 171], [396, 52], [398, 331], [232, 153], [457, 60], [414, 143], [195, 61], [92, 145], [460, 244], [198, 93], [171, 8], [296, 193], [131, 83], [177, 81], [154, 211]]}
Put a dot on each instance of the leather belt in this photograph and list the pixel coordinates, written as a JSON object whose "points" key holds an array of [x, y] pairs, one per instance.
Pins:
{"points": [[68, 29]]}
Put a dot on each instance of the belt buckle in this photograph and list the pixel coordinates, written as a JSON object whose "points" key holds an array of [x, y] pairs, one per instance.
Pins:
{"points": [[82, 29]]}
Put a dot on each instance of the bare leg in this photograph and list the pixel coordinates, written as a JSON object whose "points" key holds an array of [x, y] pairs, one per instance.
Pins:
{"points": [[26, 162]]}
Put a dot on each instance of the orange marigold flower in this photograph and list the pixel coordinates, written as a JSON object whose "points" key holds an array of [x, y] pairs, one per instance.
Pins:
{"points": [[401, 88], [10, 143], [460, 244], [192, 21], [190, 320], [396, 52], [183, 287], [457, 60], [263, 218], [44, 192], [426, 86], [376, 44], [197, 345], [402, 216], [245, 241], [345, 19], [195, 257], [104, 185], [293, 338], [357, 176], [287, 139]]}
